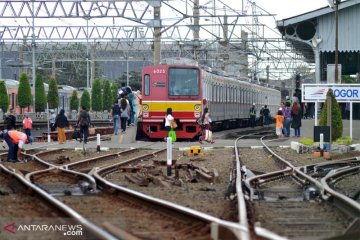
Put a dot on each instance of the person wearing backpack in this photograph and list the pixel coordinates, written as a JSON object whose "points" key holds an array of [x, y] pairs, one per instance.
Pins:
{"points": [[27, 126], [84, 123], [10, 121], [61, 122], [115, 112]]}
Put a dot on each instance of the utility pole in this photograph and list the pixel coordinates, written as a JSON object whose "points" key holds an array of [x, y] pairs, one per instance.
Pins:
{"points": [[336, 3], [33, 53], [87, 54], [157, 33]]}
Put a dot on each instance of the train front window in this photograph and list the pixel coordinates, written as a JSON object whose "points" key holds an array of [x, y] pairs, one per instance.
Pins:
{"points": [[183, 82]]}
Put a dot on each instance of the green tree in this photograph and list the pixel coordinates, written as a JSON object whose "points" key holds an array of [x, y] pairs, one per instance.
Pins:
{"points": [[107, 98], [74, 101], [336, 120], [114, 91], [96, 96], [40, 99], [24, 91], [4, 99], [53, 94], [347, 79], [85, 100]]}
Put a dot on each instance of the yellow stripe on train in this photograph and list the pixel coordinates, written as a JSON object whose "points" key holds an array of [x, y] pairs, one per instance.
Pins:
{"points": [[162, 106]]}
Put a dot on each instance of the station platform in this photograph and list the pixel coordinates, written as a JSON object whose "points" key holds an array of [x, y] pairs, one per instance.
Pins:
{"points": [[128, 139]]}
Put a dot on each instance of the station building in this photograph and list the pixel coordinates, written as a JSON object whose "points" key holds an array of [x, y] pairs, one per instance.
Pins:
{"points": [[312, 35]]}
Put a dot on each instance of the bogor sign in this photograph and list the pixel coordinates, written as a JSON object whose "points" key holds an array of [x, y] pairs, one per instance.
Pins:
{"points": [[342, 92]]}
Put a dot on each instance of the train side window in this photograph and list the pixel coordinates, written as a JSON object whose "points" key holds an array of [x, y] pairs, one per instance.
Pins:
{"points": [[241, 95], [220, 92], [147, 85], [227, 94], [233, 94]]}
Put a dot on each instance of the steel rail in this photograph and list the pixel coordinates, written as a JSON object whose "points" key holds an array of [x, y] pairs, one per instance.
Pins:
{"points": [[355, 206], [114, 167], [239, 192], [98, 232], [295, 170], [255, 181], [339, 163], [299, 174], [217, 225], [90, 179], [94, 159]]}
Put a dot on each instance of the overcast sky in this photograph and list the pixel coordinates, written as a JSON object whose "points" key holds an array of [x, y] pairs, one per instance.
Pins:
{"points": [[288, 8]]}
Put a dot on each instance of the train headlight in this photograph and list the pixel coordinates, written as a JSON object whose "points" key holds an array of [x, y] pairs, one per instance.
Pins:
{"points": [[197, 108], [145, 108]]}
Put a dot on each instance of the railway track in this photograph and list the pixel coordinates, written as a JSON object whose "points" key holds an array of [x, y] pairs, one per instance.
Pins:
{"points": [[87, 165], [27, 212], [345, 181], [121, 209], [68, 157], [29, 164], [147, 217], [295, 205]]}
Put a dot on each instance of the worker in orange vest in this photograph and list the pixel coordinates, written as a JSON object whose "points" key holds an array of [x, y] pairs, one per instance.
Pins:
{"points": [[27, 126], [15, 140]]}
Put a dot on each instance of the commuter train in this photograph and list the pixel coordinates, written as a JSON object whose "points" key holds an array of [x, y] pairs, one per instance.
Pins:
{"points": [[64, 91], [188, 89]]}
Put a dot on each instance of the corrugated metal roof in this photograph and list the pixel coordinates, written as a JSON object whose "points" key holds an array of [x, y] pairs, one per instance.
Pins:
{"points": [[315, 14], [349, 30]]}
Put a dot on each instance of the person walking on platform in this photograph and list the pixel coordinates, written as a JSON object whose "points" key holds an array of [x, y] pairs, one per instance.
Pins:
{"points": [[27, 126], [287, 119], [52, 119], [170, 125], [132, 104], [84, 122], [206, 127], [252, 113], [124, 114], [138, 98], [115, 112], [168, 118], [296, 118], [279, 123], [15, 141], [61, 122], [288, 100], [261, 118], [10, 121], [266, 113]]}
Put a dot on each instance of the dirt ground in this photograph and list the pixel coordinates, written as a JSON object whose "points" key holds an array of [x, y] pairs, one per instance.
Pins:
{"points": [[208, 197]]}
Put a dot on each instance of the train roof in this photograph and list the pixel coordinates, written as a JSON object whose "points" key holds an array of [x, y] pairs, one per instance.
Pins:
{"points": [[222, 77]]}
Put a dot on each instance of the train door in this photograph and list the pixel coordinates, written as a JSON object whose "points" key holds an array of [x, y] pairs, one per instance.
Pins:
{"points": [[155, 91]]}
